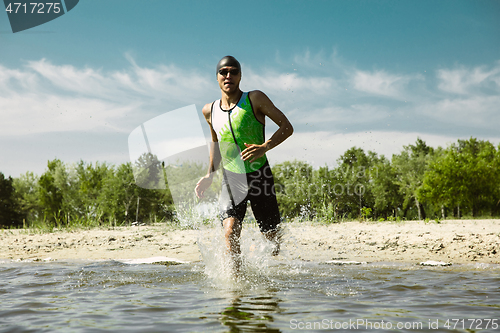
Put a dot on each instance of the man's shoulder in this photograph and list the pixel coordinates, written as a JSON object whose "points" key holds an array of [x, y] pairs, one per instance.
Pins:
{"points": [[256, 94], [258, 98], [207, 109]]}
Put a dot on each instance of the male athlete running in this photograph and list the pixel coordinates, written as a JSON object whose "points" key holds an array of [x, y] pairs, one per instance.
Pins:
{"points": [[237, 123]]}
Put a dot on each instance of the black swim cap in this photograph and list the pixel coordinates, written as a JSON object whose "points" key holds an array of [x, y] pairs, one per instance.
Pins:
{"points": [[228, 61]]}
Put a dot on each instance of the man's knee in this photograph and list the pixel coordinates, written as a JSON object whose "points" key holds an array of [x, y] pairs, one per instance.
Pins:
{"points": [[232, 227]]}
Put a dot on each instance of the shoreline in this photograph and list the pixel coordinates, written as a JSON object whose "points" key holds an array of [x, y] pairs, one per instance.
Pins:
{"points": [[450, 241]]}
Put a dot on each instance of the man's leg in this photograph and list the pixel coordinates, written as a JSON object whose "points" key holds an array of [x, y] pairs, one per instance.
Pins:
{"points": [[268, 218], [274, 236], [265, 207], [232, 211], [232, 232]]}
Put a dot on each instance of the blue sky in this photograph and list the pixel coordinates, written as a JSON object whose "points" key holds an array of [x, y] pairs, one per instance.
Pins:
{"points": [[372, 74]]}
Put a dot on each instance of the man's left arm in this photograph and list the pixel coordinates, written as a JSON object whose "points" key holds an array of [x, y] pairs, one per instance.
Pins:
{"points": [[264, 107]]}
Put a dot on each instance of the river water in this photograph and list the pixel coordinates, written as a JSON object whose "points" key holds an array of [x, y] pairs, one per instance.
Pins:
{"points": [[270, 296]]}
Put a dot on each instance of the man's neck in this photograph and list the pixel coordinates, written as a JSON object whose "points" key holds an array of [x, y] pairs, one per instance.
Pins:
{"points": [[230, 100]]}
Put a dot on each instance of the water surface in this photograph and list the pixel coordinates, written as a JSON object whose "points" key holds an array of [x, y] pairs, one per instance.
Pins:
{"points": [[109, 296]]}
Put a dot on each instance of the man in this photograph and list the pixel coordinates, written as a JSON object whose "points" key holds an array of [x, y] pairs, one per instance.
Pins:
{"points": [[237, 123]]}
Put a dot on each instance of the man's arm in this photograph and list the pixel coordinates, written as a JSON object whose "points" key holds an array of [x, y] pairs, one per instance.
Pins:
{"points": [[264, 107], [215, 157]]}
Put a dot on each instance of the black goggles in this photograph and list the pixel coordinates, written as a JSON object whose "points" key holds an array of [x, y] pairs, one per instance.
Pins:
{"points": [[233, 71]]}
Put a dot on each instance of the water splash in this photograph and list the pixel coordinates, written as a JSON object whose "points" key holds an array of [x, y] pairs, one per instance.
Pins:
{"points": [[194, 216], [257, 263]]}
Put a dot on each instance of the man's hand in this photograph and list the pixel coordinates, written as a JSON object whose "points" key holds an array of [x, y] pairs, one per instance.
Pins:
{"points": [[202, 186], [253, 152]]}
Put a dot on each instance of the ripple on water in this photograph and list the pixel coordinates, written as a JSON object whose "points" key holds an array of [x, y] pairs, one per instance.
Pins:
{"points": [[108, 296]]}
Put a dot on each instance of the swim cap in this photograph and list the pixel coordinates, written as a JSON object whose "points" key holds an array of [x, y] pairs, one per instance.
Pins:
{"points": [[228, 61]]}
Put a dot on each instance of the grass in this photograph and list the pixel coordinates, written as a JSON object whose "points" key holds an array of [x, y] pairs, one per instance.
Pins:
{"points": [[78, 224]]}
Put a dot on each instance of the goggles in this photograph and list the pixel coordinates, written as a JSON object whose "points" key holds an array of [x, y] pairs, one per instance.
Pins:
{"points": [[233, 71]]}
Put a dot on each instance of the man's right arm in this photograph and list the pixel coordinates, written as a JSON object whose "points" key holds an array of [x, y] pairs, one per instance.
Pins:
{"points": [[215, 157]]}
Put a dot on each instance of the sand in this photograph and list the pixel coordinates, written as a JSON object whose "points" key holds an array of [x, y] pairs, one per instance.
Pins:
{"points": [[451, 241]]}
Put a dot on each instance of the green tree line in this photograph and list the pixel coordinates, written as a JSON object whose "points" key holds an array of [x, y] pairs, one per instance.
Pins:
{"points": [[420, 182], [84, 194]]}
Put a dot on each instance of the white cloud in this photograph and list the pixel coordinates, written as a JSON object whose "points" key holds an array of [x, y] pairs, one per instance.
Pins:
{"points": [[85, 81], [466, 96], [43, 97], [381, 83], [38, 113], [338, 115], [320, 148], [469, 80], [277, 83], [477, 111]]}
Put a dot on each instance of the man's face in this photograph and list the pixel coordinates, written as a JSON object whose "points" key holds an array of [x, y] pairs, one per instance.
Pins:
{"points": [[229, 79]]}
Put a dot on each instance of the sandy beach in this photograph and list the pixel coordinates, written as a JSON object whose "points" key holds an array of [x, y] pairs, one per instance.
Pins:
{"points": [[451, 241]]}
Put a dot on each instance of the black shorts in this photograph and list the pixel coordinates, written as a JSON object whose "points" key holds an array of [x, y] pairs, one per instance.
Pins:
{"points": [[256, 187]]}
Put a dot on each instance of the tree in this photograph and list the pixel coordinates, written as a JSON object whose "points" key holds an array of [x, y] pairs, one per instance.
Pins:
{"points": [[465, 176], [9, 206], [326, 193], [292, 182], [120, 199], [50, 196], [148, 172], [90, 184], [386, 192], [324, 200], [27, 191], [477, 164], [496, 195], [409, 169], [353, 178]]}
